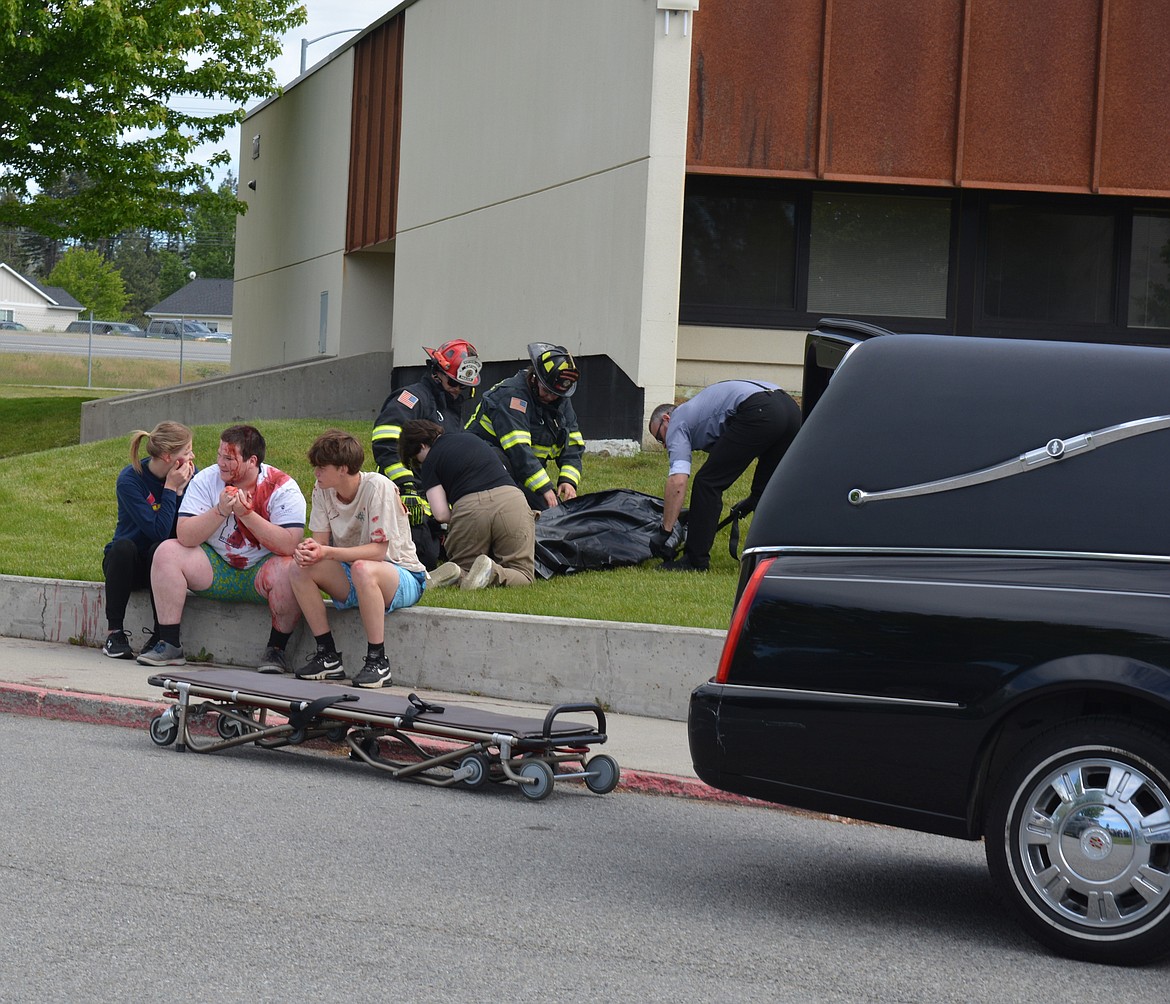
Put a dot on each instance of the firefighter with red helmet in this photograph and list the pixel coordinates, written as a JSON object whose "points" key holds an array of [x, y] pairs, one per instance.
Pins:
{"points": [[530, 419], [437, 397]]}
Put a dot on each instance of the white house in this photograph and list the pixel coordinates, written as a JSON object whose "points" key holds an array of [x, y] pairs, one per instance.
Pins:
{"points": [[42, 308]]}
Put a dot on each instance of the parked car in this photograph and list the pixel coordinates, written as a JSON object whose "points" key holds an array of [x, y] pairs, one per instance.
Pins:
{"points": [[170, 329], [102, 327], [12, 326], [126, 328], [954, 616]]}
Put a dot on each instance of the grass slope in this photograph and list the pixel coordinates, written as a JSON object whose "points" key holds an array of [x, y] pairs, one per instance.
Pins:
{"points": [[59, 512]]}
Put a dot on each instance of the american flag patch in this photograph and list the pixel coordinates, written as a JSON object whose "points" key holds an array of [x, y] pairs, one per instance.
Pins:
{"points": [[408, 399], [518, 404]]}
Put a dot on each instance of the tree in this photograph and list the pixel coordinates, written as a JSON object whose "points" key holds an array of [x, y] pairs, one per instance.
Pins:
{"points": [[138, 261], [87, 92], [92, 281], [212, 251], [172, 273]]}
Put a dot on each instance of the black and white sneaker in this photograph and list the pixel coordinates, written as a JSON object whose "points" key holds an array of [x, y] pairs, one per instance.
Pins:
{"points": [[375, 673], [323, 666], [117, 646]]}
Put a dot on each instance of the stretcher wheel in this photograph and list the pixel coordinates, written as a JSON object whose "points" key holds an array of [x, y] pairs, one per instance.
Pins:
{"points": [[163, 730], [605, 774], [337, 733], [228, 728], [480, 769], [542, 774]]}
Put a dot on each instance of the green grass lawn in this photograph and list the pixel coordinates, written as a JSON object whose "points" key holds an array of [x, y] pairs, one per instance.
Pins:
{"points": [[59, 512]]}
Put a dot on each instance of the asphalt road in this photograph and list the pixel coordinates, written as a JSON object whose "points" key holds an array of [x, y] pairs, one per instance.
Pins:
{"points": [[132, 872], [114, 345]]}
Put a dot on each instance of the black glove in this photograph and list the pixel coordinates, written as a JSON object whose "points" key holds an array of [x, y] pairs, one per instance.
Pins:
{"points": [[660, 545], [418, 510]]}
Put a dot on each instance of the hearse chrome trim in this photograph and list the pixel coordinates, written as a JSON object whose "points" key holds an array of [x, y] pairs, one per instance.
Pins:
{"points": [[950, 552], [1052, 451], [749, 689]]}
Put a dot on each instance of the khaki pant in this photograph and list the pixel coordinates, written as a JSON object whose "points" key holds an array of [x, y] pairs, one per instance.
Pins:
{"points": [[497, 523]]}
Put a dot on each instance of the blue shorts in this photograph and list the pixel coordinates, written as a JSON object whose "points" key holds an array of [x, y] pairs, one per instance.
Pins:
{"points": [[409, 591]]}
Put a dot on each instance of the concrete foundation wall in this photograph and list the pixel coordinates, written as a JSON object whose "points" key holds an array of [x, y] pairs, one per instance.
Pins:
{"points": [[349, 388], [638, 669]]}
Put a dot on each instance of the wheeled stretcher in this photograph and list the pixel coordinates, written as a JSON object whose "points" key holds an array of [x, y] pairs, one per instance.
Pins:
{"points": [[473, 748]]}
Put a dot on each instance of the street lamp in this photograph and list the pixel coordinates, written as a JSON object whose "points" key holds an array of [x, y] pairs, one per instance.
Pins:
{"points": [[306, 42], [183, 333]]}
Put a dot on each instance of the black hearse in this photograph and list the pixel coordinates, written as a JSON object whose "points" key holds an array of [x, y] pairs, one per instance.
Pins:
{"points": [[954, 616]]}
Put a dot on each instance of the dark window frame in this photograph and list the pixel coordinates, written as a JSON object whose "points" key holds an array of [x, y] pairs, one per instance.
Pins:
{"points": [[966, 267]]}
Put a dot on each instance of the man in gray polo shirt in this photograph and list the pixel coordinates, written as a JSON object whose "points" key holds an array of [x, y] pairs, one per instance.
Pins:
{"points": [[735, 422]]}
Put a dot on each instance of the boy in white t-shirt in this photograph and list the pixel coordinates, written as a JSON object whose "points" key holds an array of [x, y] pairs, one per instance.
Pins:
{"points": [[360, 552]]}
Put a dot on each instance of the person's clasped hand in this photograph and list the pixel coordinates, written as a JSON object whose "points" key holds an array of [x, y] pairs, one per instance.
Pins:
{"points": [[308, 552]]}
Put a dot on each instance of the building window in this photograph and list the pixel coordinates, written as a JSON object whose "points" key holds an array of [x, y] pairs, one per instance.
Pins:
{"points": [[1048, 266], [1149, 272], [771, 253], [739, 253], [883, 255]]}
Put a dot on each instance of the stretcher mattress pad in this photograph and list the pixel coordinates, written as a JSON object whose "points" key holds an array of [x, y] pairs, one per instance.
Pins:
{"points": [[373, 705]]}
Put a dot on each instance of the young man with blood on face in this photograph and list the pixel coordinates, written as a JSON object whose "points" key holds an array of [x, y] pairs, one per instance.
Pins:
{"points": [[239, 524]]}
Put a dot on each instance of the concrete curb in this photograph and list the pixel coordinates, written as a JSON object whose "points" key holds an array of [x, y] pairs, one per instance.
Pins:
{"points": [[97, 709], [627, 668]]}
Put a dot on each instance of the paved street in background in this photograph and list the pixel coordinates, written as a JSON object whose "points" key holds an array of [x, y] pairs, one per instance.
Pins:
{"points": [[132, 872], [115, 345]]}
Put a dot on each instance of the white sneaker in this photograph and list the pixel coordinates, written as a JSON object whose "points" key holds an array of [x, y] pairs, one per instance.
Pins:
{"points": [[481, 574], [447, 574]]}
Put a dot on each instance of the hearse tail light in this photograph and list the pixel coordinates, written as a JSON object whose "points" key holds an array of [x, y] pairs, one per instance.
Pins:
{"points": [[737, 619]]}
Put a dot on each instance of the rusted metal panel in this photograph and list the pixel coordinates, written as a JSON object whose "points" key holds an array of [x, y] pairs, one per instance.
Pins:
{"points": [[1135, 134], [1030, 106], [1011, 94], [756, 87], [892, 90], [373, 155]]}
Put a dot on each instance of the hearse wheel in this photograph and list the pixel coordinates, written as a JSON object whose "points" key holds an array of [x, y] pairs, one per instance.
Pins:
{"points": [[1078, 841]]}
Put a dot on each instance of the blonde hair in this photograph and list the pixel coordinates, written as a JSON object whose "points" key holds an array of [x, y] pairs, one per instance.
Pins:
{"points": [[166, 437]]}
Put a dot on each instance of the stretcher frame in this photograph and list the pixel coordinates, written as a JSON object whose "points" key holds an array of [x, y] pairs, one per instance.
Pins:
{"points": [[474, 746]]}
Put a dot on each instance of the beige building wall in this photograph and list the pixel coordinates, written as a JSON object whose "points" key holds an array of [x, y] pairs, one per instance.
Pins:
{"points": [[708, 353], [290, 243], [541, 185], [541, 181]]}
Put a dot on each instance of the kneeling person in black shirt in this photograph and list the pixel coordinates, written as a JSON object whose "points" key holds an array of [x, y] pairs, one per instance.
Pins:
{"points": [[491, 535]]}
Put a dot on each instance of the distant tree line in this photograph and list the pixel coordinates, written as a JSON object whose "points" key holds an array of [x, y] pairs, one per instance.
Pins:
{"points": [[119, 278]]}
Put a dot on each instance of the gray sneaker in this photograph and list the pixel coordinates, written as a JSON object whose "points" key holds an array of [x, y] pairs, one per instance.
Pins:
{"points": [[163, 654], [447, 574], [273, 661], [481, 573]]}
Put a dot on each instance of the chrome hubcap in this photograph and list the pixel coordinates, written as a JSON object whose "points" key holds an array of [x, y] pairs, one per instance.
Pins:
{"points": [[1094, 840]]}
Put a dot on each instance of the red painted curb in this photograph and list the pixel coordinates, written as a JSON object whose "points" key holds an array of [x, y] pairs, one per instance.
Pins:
{"points": [[104, 709]]}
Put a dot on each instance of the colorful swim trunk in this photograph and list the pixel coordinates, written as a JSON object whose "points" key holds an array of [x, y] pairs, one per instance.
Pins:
{"points": [[409, 591], [228, 583]]}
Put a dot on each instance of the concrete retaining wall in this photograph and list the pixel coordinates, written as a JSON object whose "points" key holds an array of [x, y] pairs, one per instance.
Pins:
{"points": [[352, 387], [637, 669]]}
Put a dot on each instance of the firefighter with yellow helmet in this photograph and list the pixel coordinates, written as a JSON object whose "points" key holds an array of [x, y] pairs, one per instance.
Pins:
{"points": [[530, 419], [437, 397]]}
